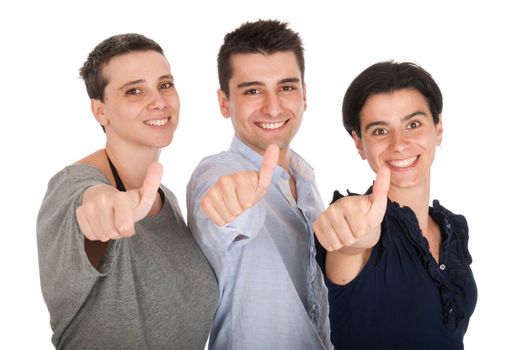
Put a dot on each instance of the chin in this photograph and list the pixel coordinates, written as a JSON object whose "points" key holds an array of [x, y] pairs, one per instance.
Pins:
{"points": [[163, 143]]}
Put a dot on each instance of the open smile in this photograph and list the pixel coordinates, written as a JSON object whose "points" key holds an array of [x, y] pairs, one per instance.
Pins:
{"points": [[403, 163], [271, 126], [157, 122]]}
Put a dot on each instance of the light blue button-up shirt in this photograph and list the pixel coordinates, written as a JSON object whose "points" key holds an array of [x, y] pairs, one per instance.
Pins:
{"points": [[272, 293]]}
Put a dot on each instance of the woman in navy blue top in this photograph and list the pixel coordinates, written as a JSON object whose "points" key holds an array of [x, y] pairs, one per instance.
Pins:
{"points": [[398, 271]]}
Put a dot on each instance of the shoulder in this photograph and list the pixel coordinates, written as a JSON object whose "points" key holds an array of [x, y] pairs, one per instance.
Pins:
{"points": [[77, 173], [67, 186], [337, 195], [457, 221], [223, 160], [212, 167], [298, 161], [170, 198]]}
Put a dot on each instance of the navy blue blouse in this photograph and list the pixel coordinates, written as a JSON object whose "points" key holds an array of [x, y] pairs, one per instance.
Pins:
{"points": [[403, 298]]}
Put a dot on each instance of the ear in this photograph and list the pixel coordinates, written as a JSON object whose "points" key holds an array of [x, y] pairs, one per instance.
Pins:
{"points": [[304, 95], [358, 144], [97, 108], [439, 130], [223, 101]]}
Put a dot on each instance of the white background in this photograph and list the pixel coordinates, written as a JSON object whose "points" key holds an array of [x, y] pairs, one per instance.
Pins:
{"points": [[475, 51]]}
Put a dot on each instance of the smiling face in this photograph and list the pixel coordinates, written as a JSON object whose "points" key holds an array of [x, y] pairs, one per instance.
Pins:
{"points": [[398, 132], [141, 104], [266, 99]]}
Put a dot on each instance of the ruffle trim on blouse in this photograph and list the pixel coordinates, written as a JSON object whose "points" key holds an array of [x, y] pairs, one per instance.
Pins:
{"points": [[452, 292]]}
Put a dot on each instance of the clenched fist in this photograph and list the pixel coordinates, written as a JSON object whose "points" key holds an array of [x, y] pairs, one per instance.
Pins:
{"points": [[232, 194], [106, 213]]}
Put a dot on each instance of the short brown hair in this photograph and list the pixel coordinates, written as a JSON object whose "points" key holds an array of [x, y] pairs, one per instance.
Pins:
{"points": [[263, 36], [116, 45]]}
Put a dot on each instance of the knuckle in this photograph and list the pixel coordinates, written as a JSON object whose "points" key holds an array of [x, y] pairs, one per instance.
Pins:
{"points": [[126, 231], [229, 217], [348, 241], [361, 232], [246, 204], [225, 180], [204, 202]]}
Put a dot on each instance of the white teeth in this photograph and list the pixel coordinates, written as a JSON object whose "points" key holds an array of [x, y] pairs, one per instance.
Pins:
{"points": [[157, 122], [402, 163], [271, 126]]}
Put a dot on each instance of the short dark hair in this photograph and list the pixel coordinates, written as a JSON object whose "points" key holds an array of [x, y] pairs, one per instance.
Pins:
{"points": [[114, 46], [387, 77], [263, 36]]}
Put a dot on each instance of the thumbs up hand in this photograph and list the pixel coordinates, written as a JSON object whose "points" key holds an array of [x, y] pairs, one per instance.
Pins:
{"points": [[106, 213], [232, 194], [353, 224]]}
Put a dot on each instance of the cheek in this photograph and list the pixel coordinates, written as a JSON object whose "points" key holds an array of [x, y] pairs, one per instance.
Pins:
{"points": [[298, 121], [299, 107], [241, 111], [432, 151], [430, 143], [373, 151], [174, 102]]}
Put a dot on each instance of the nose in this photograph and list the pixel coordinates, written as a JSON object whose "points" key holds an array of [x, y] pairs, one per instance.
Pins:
{"points": [[157, 100], [272, 105], [399, 143]]}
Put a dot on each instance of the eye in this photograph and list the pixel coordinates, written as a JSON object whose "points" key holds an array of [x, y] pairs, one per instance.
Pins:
{"points": [[380, 132], [134, 91], [167, 85], [413, 125], [251, 92], [288, 88]]}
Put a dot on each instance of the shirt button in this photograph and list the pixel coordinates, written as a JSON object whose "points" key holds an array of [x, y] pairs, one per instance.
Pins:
{"points": [[313, 307], [313, 278], [448, 226], [442, 267]]}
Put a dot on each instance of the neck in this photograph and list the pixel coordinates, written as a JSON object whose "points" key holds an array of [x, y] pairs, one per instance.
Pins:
{"points": [[284, 158], [416, 198], [131, 164]]}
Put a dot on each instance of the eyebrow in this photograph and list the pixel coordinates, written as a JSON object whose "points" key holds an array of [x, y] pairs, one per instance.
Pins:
{"points": [[260, 83], [139, 81], [133, 82], [166, 76], [405, 118]]}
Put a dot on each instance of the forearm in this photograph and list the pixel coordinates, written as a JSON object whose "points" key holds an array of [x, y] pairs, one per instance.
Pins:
{"points": [[344, 265]]}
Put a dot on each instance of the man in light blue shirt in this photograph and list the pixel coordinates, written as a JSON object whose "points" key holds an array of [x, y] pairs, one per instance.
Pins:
{"points": [[251, 207]]}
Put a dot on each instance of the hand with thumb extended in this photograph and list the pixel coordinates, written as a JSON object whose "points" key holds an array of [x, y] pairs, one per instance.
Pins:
{"points": [[353, 223], [232, 194], [106, 213]]}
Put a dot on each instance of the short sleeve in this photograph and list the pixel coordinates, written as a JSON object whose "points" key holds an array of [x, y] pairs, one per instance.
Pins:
{"points": [[66, 273]]}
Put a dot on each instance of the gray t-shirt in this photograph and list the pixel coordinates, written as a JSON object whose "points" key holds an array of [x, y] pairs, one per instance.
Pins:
{"points": [[154, 290]]}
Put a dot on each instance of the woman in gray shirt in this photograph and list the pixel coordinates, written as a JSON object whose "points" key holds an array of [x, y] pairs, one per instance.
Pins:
{"points": [[119, 268]]}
